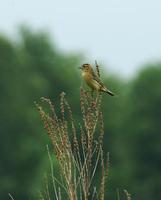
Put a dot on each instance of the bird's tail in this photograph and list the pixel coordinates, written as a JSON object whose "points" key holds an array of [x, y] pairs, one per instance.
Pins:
{"points": [[108, 92]]}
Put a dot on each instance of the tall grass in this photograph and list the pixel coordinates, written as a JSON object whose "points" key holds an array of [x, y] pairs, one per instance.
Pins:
{"points": [[79, 152]]}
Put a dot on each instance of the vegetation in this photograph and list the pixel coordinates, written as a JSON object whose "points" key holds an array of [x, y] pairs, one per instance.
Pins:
{"points": [[78, 159], [32, 67]]}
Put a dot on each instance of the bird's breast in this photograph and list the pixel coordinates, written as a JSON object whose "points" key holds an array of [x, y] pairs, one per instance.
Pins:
{"points": [[87, 77], [90, 81]]}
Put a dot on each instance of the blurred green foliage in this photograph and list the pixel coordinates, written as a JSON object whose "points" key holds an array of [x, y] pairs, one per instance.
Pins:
{"points": [[31, 67]]}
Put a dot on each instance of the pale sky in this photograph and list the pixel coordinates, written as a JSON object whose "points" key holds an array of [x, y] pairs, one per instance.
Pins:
{"points": [[122, 34]]}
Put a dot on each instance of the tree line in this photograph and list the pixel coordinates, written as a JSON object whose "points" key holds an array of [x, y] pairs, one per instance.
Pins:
{"points": [[32, 66]]}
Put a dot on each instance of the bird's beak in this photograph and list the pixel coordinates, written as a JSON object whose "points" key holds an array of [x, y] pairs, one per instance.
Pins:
{"points": [[80, 67]]}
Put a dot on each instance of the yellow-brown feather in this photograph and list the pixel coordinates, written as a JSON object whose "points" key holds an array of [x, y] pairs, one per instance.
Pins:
{"points": [[90, 81]]}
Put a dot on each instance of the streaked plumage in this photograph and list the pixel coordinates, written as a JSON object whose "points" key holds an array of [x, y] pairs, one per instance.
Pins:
{"points": [[92, 80]]}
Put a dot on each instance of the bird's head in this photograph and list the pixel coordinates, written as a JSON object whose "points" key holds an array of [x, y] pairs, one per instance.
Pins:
{"points": [[86, 68]]}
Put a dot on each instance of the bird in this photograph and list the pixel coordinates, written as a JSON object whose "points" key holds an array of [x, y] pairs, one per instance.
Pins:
{"points": [[93, 80]]}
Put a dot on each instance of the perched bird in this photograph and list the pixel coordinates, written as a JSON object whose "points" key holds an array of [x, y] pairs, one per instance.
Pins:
{"points": [[92, 79]]}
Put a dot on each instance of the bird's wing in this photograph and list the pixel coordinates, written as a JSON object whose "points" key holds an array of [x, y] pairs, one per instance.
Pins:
{"points": [[96, 78]]}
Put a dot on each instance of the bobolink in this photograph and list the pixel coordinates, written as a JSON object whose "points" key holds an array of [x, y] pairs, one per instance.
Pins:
{"points": [[93, 80]]}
